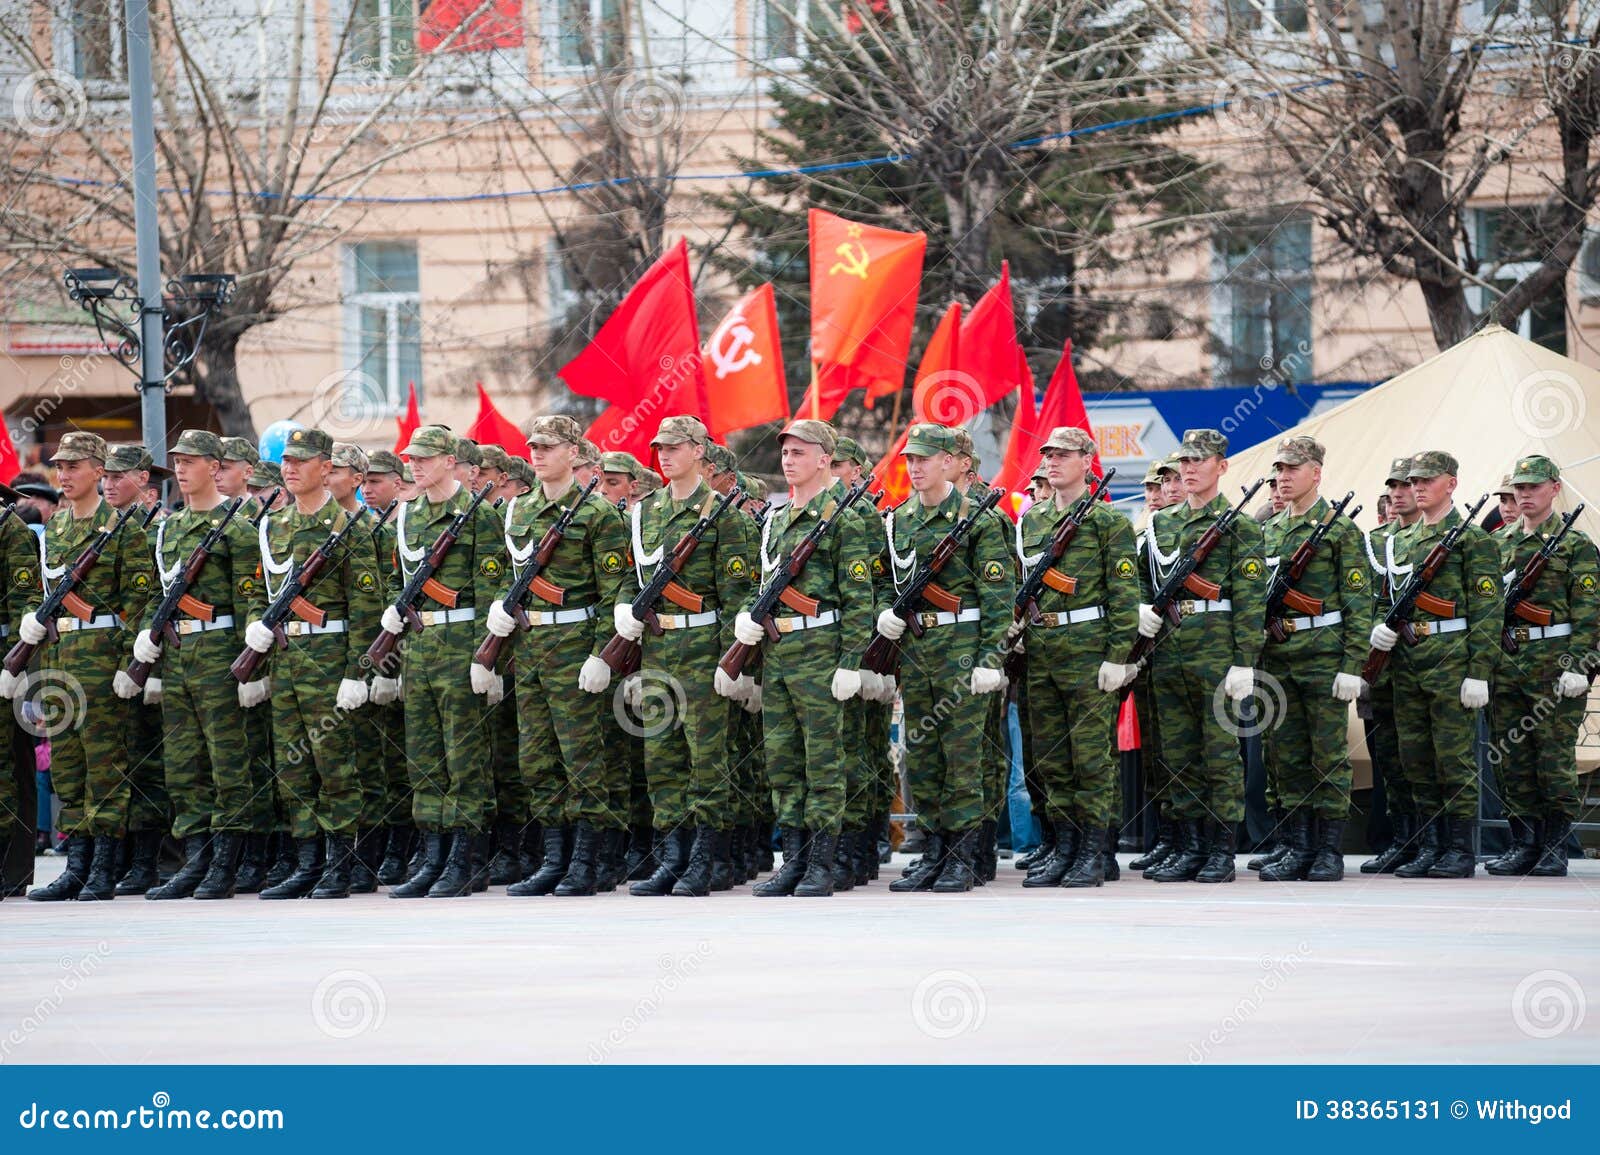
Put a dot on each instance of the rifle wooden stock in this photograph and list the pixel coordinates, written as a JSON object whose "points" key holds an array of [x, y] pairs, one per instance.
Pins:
{"points": [[733, 661], [381, 650], [882, 656], [622, 655]]}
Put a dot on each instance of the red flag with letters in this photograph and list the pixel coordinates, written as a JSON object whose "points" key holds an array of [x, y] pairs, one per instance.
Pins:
{"points": [[743, 366]]}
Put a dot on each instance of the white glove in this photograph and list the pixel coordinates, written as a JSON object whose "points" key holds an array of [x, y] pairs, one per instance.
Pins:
{"points": [[890, 689], [125, 687], [986, 681], [497, 692], [152, 691], [1568, 685], [724, 685], [752, 700], [871, 685], [747, 630], [1383, 638], [846, 684], [483, 680], [385, 690], [352, 694], [1238, 682], [392, 621], [633, 691], [10, 684], [595, 676], [1114, 675], [629, 627], [891, 625], [1474, 693], [743, 686], [501, 624], [400, 689], [258, 637], [1347, 687], [146, 649], [31, 630], [1149, 621], [254, 693]]}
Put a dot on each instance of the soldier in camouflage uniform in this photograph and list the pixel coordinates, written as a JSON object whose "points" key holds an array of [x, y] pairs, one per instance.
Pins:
{"points": [[1442, 681], [447, 694], [1089, 610], [947, 674], [265, 480], [1316, 669], [1545, 680], [89, 755], [494, 468], [687, 759], [1212, 655], [469, 457], [1160, 491], [317, 679], [567, 769], [19, 562], [239, 460]]}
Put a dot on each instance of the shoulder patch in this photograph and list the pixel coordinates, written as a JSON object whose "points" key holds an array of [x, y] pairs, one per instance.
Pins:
{"points": [[1251, 567], [1124, 567], [490, 567], [611, 561], [365, 582], [1355, 579], [877, 567], [858, 571], [737, 567], [1587, 583], [1486, 588], [140, 582], [993, 571], [247, 586], [23, 577]]}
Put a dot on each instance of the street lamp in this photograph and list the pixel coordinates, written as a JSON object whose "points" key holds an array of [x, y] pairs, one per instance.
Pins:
{"points": [[113, 300]]}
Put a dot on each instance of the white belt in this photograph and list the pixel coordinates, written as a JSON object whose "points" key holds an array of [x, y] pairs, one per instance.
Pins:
{"points": [[946, 618], [300, 629], [1536, 633], [801, 622], [187, 626], [1072, 617], [687, 621], [1316, 623], [103, 622], [1199, 607], [559, 617], [1442, 626], [444, 617], [5, 631]]}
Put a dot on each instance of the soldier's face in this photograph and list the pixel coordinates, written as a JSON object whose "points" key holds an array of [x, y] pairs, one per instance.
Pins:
{"points": [[847, 471], [122, 488], [584, 473], [304, 476], [1199, 475], [382, 489], [1433, 493], [232, 478], [1534, 500], [466, 473], [1297, 481], [928, 473], [721, 482], [1401, 500], [552, 462], [1171, 487], [615, 487], [956, 468], [680, 460], [802, 461], [343, 482], [1065, 468], [195, 474], [431, 472], [77, 479], [1154, 496], [1510, 508]]}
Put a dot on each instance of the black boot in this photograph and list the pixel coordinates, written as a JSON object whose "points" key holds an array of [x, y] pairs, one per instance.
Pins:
{"points": [[1402, 847], [431, 847], [1456, 860], [196, 864], [866, 856], [364, 863], [530, 848], [309, 865], [1428, 843], [1064, 851], [1166, 841], [479, 844], [580, 877], [722, 861], [959, 872], [1113, 870], [68, 884], [1088, 866], [1047, 843], [505, 867], [455, 880], [1282, 842], [552, 868], [608, 871], [1219, 860], [338, 867], [142, 874], [925, 872], [844, 865], [392, 870], [249, 877], [1301, 847], [988, 860], [284, 860], [695, 880], [641, 860], [1328, 865], [764, 858], [1524, 851], [741, 861], [672, 859], [222, 880], [793, 870], [818, 879], [101, 883], [1554, 831], [1187, 857]]}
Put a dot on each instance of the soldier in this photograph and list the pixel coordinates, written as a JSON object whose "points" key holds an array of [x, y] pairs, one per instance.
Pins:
{"points": [[586, 468], [1211, 655], [382, 489], [469, 459], [1161, 490], [19, 565], [619, 474], [1316, 667], [948, 672], [494, 470], [567, 769], [1441, 681], [89, 759], [266, 478], [1543, 686], [1506, 495], [719, 468], [686, 763], [239, 459], [317, 678], [1075, 663], [446, 692]]}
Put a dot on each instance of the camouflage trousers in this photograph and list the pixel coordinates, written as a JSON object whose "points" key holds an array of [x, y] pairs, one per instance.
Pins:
{"points": [[211, 770], [90, 730], [267, 815], [686, 727], [511, 799], [447, 731], [1199, 736], [149, 807], [1306, 747], [1383, 748], [1153, 768], [1074, 736], [568, 774], [997, 757], [1436, 734], [945, 726], [313, 741], [752, 796], [808, 750], [1532, 735]]}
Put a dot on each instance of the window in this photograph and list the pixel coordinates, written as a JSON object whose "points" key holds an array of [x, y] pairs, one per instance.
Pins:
{"points": [[383, 319], [1508, 248], [560, 296], [1264, 304], [590, 33], [777, 33], [1258, 15], [96, 40], [383, 36]]}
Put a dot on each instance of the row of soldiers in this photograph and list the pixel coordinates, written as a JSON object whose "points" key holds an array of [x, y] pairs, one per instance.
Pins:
{"points": [[321, 772]]}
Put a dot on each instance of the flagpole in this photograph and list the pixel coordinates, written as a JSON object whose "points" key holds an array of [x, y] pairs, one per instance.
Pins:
{"points": [[816, 394]]}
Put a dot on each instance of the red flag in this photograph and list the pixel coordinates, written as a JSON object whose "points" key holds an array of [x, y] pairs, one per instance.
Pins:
{"points": [[990, 353], [411, 422], [864, 284], [743, 366], [1128, 736], [1062, 405], [943, 391], [9, 465], [500, 26], [645, 359], [1014, 471], [894, 484], [493, 428]]}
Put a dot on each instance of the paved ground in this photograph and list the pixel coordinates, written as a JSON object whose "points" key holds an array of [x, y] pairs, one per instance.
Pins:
{"points": [[1371, 970]]}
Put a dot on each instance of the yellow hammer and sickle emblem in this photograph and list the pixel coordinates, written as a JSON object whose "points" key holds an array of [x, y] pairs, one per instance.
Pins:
{"points": [[854, 263]]}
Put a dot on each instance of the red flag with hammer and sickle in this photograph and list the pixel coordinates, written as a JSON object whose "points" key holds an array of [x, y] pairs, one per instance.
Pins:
{"points": [[743, 365]]}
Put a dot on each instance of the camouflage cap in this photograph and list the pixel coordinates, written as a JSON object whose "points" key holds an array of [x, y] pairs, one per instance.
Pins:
{"points": [[925, 439], [406, 475], [554, 429], [1152, 476], [681, 429], [468, 452], [849, 449], [494, 457], [519, 470], [618, 461], [1070, 437], [721, 458], [384, 461], [128, 459], [265, 475], [350, 456], [649, 480], [1533, 470], [756, 487], [813, 432], [1504, 489], [80, 446], [199, 443], [304, 443], [1434, 463], [239, 449], [964, 445], [1298, 451], [1198, 444], [431, 441], [588, 453], [1399, 470]]}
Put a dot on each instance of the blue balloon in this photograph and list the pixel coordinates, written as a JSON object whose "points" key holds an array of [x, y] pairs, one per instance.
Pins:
{"points": [[274, 437]]}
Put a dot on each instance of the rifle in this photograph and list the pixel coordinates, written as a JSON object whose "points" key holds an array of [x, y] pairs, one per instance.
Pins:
{"points": [[421, 582], [1184, 579], [176, 596], [65, 594], [531, 579], [1520, 590], [291, 598], [1415, 592], [882, 655], [622, 655], [780, 586], [150, 516], [1282, 593], [760, 512]]}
